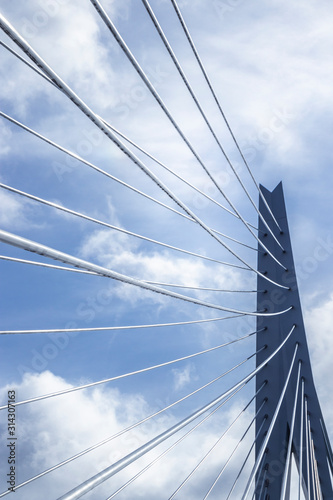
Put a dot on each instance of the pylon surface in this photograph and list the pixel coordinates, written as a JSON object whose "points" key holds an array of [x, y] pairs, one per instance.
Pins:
{"points": [[273, 298]]}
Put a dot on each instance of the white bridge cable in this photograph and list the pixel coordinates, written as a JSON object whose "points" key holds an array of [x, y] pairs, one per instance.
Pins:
{"points": [[116, 328], [307, 443], [190, 217], [195, 188], [173, 445], [212, 448], [319, 492], [246, 458], [236, 447], [111, 226], [315, 466], [46, 251], [311, 458], [270, 429], [28, 63], [263, 485], [151, 88], [122, 376], [122, 44], [202, 288], [203, 114], [38, 71], [49, 266], [265, 491], [315, 469], [110, 471], [263, 478], [140, 326], [211, 88], [291, 437], [91, 165], [130, 142], [142, 471], [63, 268], [301, 438], [63, 87], [129, 428], [101, 171], [328, 445]]}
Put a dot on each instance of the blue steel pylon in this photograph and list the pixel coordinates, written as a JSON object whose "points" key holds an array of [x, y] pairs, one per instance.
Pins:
{"points": [[269, 478]]}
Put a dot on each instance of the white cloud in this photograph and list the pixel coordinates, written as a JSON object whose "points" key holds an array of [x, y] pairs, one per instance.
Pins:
{"points": [[318, 321], [5, 136], [62, 431], [265, 62], [271, 64], [52, 430], [51, 28], [184, 376], [16, 212], [123, 254]]}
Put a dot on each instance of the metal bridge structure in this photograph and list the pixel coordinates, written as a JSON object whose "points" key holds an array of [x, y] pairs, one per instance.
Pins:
{"points": [[155, 388], [297, 426]]}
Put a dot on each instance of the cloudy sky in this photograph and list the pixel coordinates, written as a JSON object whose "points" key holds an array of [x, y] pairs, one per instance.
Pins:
{"points": [[271, 67]]}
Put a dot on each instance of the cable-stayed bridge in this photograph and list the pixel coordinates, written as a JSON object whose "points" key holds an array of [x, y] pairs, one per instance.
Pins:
{"points": [[186, 374]]}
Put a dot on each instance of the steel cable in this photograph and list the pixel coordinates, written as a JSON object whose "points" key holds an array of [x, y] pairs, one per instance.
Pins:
{"points": [[203, 114], [117, 377], [291, 436], [212, 448], [270, 429], [142, 471], [39, 72], [211, 88], [127, 429], [46, 251], [112, 226], [147, 82], [235, 449], [116, 328], [63, 268], [105, 474], [21, 42], [91, 165], [246, 459]]}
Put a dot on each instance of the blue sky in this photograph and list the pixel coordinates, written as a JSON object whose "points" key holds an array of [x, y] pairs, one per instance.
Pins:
{"points": [[270, 65]]}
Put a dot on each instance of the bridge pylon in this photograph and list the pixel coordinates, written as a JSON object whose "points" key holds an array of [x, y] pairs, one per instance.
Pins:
{"points": [[291, 398]]}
